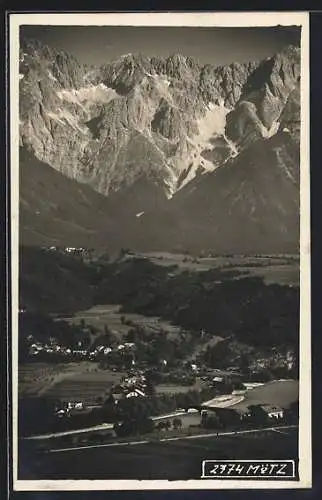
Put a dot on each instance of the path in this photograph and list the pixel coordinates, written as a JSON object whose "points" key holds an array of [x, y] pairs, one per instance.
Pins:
{"points": [[177, 438], [100, 427]]}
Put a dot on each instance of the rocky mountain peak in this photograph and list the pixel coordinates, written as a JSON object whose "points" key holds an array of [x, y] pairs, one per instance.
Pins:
{"points": [[180, 66], [167, 122]]}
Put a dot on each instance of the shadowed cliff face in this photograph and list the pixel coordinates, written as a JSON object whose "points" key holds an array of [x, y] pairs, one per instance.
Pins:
{"points": [[201, 151]]}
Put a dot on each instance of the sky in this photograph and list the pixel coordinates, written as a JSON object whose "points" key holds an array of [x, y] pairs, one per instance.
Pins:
{"points": [[100, 44]]}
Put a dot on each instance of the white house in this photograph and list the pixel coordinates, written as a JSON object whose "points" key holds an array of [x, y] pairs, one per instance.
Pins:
{"points": [[272, 411]]}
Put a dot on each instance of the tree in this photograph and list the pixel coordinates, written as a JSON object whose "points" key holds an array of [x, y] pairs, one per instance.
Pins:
{"points": [[150, 389], [211, 422], [177, 423], [160, 426], [146, 425], [168, 425], [108, 332], [110, 400]]}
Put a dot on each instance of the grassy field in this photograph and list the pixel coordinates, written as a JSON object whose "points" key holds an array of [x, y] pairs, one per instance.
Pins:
{"points": [[167, 388], [282, 269], [278, 392], [283, 274], [109, 314], [172, 388], [168, 460]]}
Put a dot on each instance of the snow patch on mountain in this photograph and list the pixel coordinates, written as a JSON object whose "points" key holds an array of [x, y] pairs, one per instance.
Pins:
{"points": [[267, 133], [162, 87], [211, 125], [91, 94], [51, 76], [65, 117]]}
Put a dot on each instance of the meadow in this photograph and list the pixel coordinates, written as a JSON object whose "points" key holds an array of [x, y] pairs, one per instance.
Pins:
{"points": [[109, 315], [278, 392], [281, 269]]}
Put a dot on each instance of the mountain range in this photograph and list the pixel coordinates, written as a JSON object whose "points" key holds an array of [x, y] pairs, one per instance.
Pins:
{"points": [[159, 153]]}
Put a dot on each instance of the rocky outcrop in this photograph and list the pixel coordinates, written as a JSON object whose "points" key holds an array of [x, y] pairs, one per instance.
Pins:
{"points": [[265, 94], [225, 83]]}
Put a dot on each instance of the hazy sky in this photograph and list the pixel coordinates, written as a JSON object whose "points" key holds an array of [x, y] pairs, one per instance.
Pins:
{"points": [[98, 45]]}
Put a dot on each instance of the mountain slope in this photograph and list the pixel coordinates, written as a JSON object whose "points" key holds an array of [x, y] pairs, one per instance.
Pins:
{"points": [[55, 209], [58, 211]]}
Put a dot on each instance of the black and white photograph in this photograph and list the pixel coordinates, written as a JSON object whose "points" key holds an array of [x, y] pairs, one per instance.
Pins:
{"points": [[160, 251]]}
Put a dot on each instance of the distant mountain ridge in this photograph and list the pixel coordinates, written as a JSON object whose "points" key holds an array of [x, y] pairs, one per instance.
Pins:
{"points": [[194, 150]]}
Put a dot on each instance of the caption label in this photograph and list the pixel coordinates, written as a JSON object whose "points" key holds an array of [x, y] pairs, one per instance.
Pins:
{"points": [[255, 469]]}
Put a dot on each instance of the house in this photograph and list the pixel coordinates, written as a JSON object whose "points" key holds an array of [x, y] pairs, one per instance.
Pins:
{"points": [[272, 411], [60, 413], [238, 392], [132, 395], [35, 348], [129, 344], [264, 411], [136, 393], [140, 392]]}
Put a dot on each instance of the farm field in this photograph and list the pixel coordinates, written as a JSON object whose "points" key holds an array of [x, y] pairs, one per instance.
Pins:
{"points": [[86, 387], [34, 379], [81, 381], [174, 460]]}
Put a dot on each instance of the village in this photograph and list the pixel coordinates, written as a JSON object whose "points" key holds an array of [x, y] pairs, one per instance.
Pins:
{"points": [[189, 396], [121, 366], [140, 377]]}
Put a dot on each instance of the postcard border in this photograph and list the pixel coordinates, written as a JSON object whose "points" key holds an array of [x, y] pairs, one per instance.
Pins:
{"points": [[224, 19]]}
